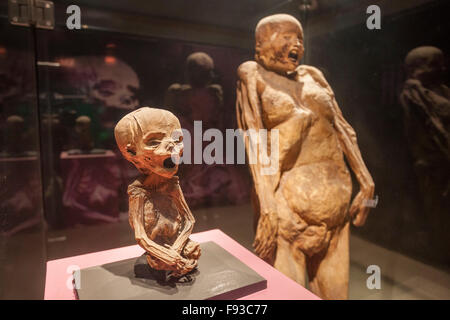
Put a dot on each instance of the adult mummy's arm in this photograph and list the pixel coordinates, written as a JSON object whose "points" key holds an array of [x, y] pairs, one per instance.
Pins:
{"points": [[249, 118]]}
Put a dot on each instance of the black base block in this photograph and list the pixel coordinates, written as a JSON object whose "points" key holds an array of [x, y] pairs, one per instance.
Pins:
{"points": [[219, 276]]}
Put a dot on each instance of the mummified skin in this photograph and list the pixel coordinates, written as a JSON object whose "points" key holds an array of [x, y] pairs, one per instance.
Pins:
{"points": [[304, 208], [162, 222]]}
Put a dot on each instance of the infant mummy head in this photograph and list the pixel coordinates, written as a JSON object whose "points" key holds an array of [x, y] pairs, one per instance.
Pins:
{"points": [[151, 139]]}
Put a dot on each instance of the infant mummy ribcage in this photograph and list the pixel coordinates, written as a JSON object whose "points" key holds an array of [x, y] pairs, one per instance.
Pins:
{"points": [[162, 220]]}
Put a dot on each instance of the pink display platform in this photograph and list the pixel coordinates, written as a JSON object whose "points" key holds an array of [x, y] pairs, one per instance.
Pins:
{"points": [[58, 284]]}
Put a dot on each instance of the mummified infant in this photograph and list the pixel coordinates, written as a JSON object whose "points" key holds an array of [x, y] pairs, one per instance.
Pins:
{"points": [[151, 139]]}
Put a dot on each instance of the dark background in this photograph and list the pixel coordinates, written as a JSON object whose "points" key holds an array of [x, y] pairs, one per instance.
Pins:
{"points": [[364, 68]]}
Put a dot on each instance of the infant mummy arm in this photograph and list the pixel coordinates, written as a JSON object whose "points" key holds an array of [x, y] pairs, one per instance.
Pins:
{"points": [[170, 260], [183, 238]]}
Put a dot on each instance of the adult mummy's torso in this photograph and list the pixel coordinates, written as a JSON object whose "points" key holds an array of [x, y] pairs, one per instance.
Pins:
{"points": [[315, 183]]}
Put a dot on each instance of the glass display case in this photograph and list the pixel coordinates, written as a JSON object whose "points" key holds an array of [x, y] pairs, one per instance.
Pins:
{"points": [[69, 73]]}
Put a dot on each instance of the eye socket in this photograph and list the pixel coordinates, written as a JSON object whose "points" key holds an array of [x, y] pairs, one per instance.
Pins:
{"points": [[153, 143]]}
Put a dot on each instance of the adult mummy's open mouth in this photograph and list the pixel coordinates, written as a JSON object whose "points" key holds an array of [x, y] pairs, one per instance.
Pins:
{"points": [[293, 55]]}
